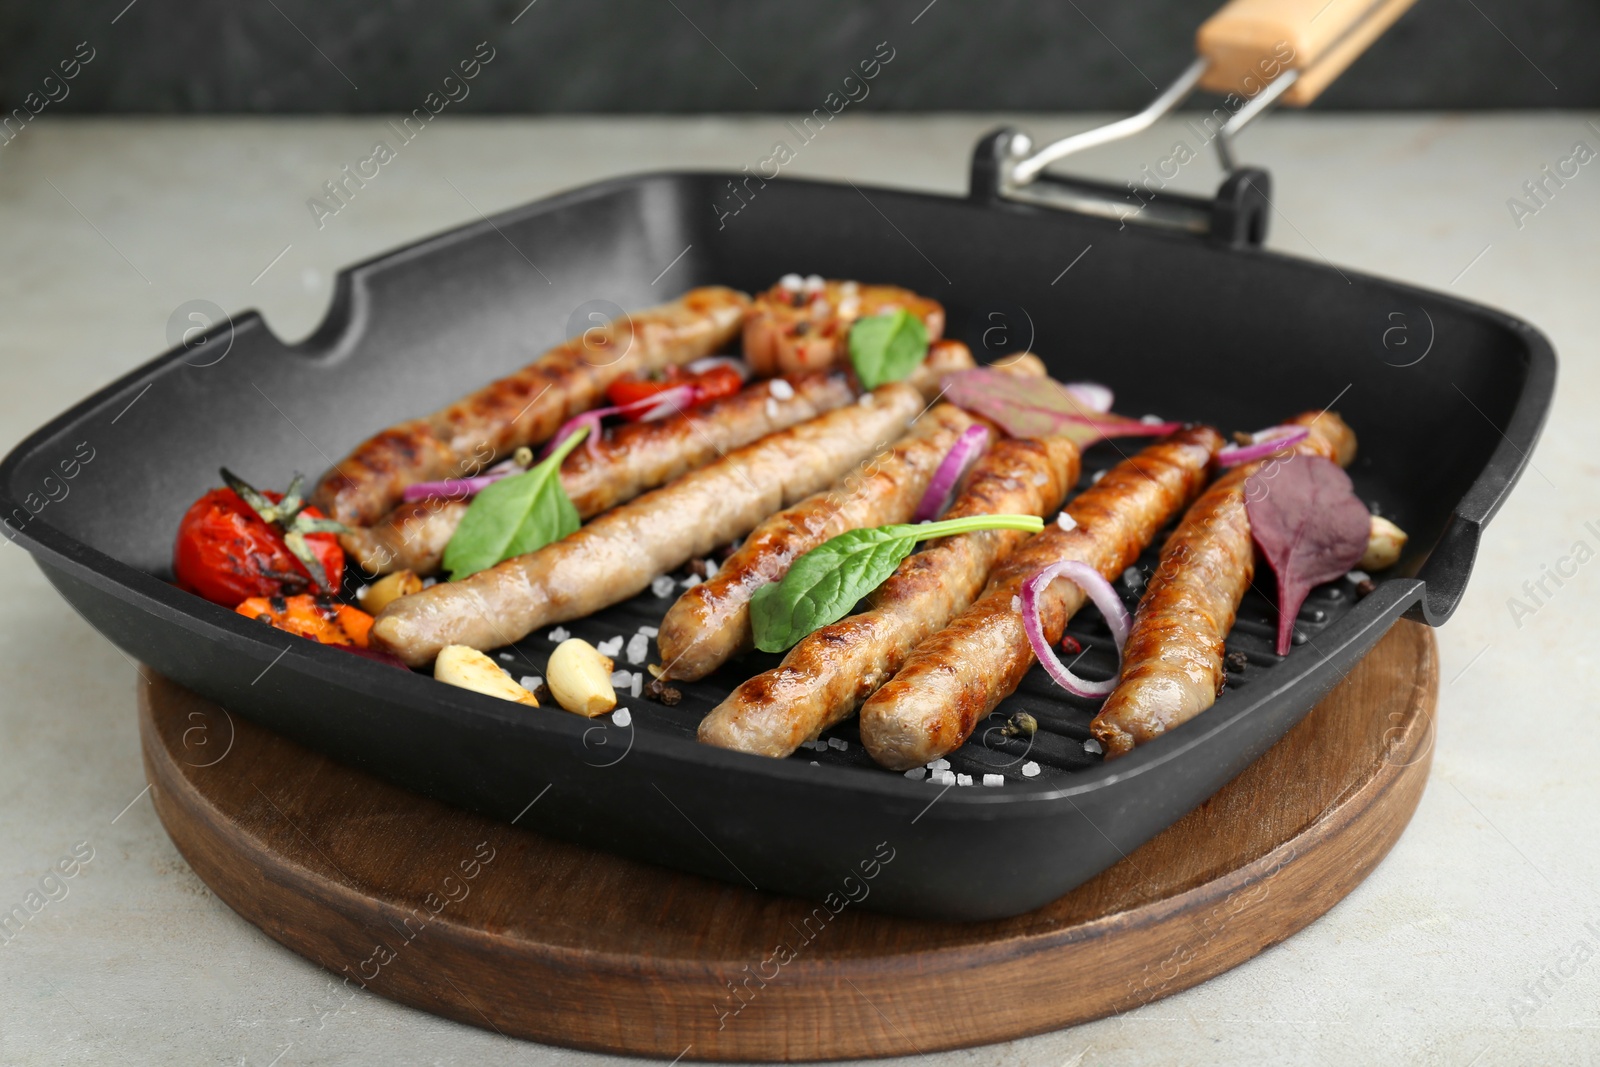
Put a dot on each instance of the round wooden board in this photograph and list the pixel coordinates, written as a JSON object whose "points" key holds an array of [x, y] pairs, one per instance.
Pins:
{"points": [[491, 925]]}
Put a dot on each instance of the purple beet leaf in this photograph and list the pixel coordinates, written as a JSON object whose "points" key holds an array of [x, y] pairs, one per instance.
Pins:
{"points": [[1308, 522], [1040, 407]]}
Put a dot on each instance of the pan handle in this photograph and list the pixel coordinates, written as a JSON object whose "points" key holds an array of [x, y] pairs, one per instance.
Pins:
{"points": [[1255, 54], [1295, 47]]}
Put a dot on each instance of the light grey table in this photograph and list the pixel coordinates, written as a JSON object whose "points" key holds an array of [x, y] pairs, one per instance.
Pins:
{"points": [[1471, 944]]}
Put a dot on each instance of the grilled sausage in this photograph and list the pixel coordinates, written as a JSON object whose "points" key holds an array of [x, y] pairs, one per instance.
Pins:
{"points": [[830, 672], [526, 407], [944, 357], [711, 622], [793, 327], [631, 459], [958, 675], [617, 554], [1172, 663]]}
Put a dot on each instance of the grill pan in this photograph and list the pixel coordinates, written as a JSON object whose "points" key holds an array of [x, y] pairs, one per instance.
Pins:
{"points": [[1209, 328]]}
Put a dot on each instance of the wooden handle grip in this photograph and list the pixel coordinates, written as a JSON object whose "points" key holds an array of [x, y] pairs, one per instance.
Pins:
{"points": [[1251, 42]]}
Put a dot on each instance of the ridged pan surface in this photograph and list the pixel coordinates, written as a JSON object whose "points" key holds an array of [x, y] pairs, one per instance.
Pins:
{"points": [[1177, 326]]}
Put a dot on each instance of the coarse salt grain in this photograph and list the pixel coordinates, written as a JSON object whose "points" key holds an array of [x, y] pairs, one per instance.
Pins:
{"points": [[814, 283], [559, 634], [361, 594], [1030, 769], [429, 583], [663, 585], [530, 682], [1040, 478], [963, 779], [1094, 479], [649, 631], [1133, 578], [637, 685], [791, 282], [947, 777], [622, 717], [1093, 747], [771, 408], [638, 648], [1358, 577], [916, 773], [1066, 522], [610, 649], [866, 400], [838, 743], [712, 567], [781, 389], [994, 779], [939, 765], [1016, 603], [506, 657], [692, 581], [619, 678], [1151, 420], [814, 763]]}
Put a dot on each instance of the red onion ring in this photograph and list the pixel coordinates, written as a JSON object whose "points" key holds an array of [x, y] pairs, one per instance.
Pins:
{"points": [[1105, 598], [668, 402], [463, 488], [657, 406], [705, 363], [962, 455], [1092, 395], [1264, 443]]}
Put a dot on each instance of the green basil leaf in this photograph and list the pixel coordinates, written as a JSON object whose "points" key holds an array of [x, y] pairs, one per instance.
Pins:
{"points": [[514, 516], [887, 348], [825, 583]]}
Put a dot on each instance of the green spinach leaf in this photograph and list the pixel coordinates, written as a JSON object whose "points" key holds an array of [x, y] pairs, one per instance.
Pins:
{"points": [[514, 516], [887, 348], [825, 583]]}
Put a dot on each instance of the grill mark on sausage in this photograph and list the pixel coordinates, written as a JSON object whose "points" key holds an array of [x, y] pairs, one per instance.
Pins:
{"points": [[954, 678], [1172, 664]]}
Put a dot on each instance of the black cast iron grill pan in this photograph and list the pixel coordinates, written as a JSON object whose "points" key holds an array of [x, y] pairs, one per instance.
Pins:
{"points": [[1188, 327]]}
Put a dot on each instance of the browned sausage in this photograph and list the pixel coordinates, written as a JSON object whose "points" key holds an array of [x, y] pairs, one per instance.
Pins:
{"points": [[794, 328], [526, 407], [1172, 665], [711, 622], [632, 458], [958, 675], [617, 554], [829, 673], [944, 357]]}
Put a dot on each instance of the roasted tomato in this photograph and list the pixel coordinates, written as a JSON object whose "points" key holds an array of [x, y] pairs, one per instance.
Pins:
{"points": [[713, 383], [236, 543], [320, 618]]}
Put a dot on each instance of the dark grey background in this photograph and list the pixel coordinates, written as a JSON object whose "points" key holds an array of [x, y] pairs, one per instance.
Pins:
{"points": [[746, 55]]}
